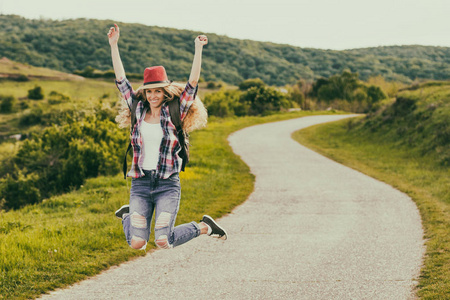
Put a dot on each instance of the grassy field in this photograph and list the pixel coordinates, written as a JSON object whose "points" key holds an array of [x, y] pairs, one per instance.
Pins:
{"points": [[400, 157], [70, 237], [11, 68]]}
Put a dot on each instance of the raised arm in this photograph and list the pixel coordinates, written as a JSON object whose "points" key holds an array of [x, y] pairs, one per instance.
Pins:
{"points": [[113, 36], [200, 41]]}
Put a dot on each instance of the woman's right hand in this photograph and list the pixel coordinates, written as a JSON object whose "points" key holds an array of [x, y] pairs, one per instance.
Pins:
{"points": [[113, 35]]}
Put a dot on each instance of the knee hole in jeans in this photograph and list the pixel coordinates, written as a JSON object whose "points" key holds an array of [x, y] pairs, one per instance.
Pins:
{"points": [[138, 243], [163, 243], [138, 221], [163, 220]]}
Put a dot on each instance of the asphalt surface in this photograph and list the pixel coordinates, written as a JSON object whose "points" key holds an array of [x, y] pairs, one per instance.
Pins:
{"points": [[312, 229]]}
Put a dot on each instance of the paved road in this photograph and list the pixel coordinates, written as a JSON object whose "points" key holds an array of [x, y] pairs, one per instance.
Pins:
{"points": [[312, 229]]}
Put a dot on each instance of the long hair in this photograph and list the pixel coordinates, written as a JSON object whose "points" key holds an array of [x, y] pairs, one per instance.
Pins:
{"points": [[196, 118]]}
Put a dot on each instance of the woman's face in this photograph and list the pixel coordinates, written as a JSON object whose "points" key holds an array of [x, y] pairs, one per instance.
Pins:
{"points": [[155, 96]]}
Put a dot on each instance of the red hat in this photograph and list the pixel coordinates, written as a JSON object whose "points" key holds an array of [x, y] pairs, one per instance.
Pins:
{"points": [[155, 77]]}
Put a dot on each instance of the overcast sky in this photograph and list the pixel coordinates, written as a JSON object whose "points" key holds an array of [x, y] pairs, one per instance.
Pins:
{"points": [[325, 24]]}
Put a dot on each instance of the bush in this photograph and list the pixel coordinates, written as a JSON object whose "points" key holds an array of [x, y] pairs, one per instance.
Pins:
{"points": [[21, 78], [222, 103], [7, 104], [17, 191], [296, 95], [375, 94], [36, 93], [249, 83], [262, 99], [211, 85], [32, 117], [61, 158], [56, 98], [23, 105]]}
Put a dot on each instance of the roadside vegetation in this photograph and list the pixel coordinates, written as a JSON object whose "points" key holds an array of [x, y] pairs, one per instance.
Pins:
{"points": [[407, 145], [69, 237]]}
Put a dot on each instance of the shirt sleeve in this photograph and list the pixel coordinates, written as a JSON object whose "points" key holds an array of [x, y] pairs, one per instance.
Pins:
{"points": [[126, 90], [187, 97]]}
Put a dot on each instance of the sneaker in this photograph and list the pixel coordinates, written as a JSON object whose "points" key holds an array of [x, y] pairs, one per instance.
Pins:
{"points": [[125, 209], [216, 230]]}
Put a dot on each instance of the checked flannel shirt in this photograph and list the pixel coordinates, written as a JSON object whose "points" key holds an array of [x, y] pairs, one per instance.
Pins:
{"points": [[169, 161]]}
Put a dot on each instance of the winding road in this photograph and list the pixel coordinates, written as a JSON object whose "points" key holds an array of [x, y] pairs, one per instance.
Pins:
{"points": [[312, 229]]}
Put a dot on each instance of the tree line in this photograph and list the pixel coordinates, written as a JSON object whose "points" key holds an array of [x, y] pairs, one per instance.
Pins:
{"points": [[343, 91], [81, 45]]}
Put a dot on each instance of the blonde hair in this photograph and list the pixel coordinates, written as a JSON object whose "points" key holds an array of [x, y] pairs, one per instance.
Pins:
{"points": [[196, 118]]}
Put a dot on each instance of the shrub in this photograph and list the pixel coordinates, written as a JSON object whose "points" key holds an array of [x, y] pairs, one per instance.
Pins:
{"points": [[36, 93], [56, 98], [61, 158], [21, 78], [7, 104], [32, 117], [249, 83], [17, 191], [23, 105], [262, 99], [211, 85], [375, 94], [223, 103]]}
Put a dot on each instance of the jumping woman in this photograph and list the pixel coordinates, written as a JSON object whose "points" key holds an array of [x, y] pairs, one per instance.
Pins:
{"points": [[155, 185]]}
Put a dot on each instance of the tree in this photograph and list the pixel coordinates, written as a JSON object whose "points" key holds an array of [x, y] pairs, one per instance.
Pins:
{"points": [[375, 94], [341, 86]]}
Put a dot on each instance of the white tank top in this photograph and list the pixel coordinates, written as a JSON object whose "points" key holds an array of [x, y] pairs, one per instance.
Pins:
{"points": [[151, 140]]}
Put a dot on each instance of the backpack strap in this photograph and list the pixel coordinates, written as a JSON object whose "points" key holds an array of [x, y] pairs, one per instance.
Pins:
{"points": [[133, 122], [175, 116], [125, 162], [133, 113]]}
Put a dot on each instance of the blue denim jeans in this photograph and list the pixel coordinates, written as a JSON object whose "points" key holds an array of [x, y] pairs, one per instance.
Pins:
{"points": [[162, 196]]}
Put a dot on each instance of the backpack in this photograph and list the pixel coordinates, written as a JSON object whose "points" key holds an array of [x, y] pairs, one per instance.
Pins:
{"points": [[182, 135]]}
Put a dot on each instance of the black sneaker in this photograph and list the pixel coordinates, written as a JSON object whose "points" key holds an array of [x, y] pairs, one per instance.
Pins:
{"points": [[216, 230], [125, 209]]}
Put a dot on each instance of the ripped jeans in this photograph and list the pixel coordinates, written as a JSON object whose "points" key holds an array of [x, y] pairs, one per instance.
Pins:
{"points": [[162, 196]]}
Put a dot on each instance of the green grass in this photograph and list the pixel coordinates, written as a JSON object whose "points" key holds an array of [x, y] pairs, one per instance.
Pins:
{"points": [[70, 237], [9, 67], [83, 91], [419, 175]]}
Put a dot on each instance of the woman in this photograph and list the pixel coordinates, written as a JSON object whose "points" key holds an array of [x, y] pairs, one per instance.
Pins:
{"points": [[155, 181]]}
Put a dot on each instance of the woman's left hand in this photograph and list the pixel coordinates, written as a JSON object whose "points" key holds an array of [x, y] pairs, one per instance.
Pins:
{"points": [[201, 40]]}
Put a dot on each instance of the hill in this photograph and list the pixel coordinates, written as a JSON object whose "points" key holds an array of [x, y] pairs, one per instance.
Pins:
{"points": [[418, 120], [14, 70], [71, 45]]}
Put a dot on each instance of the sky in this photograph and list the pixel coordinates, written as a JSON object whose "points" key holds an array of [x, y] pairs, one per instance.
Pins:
{"points": [[323, 24]]}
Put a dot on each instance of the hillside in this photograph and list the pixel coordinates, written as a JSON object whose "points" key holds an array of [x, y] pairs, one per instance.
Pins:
{"points": [[418, 120], [13, 70], [71, 45]]}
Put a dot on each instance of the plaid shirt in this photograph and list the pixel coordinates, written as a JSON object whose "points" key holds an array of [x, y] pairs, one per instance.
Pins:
{"points": [[169, 161]]}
